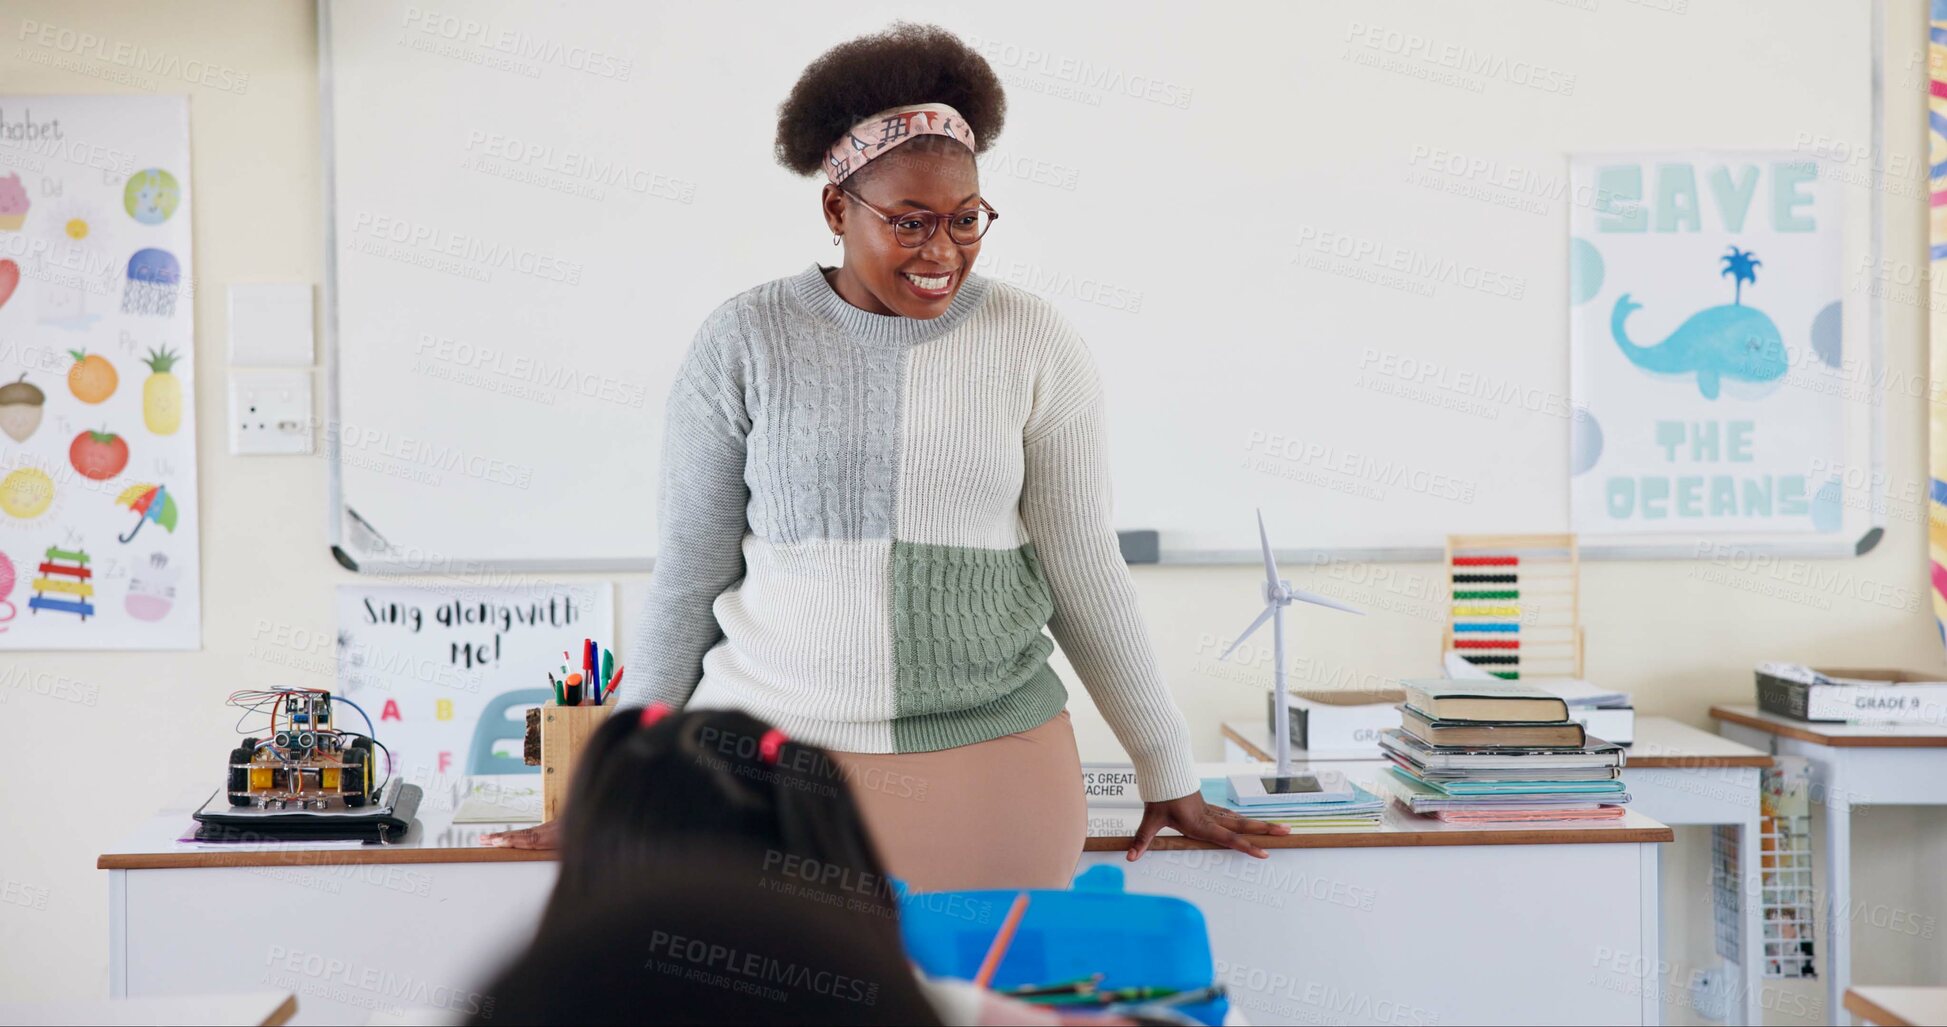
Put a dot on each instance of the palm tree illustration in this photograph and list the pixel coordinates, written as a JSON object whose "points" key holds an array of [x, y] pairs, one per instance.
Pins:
{"points": [[1741, 267]]}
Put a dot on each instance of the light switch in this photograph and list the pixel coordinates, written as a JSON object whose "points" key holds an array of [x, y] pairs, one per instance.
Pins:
{"points": [[270, 324], [270, 412]]}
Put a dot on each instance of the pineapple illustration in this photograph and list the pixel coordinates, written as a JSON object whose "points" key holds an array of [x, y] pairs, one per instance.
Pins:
{"points": [[162, 394]]}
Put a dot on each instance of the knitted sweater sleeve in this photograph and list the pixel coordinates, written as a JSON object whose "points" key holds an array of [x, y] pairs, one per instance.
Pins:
{"points": [[1065, 507], [701, 518]]}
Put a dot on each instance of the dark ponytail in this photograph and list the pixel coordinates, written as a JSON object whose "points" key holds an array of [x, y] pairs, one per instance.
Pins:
{"points": [[720, 786]]}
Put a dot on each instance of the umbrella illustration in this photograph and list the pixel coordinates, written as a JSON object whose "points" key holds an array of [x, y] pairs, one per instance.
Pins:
{"points": [[153, 502]]}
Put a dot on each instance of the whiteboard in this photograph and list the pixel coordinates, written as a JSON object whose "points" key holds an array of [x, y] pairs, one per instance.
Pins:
{"points": [[1318, 250]]}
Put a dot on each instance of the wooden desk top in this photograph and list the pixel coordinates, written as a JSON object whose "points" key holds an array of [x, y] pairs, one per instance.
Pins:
{"points": [[1111, 830], [1840, 736], [1898, 1007], [434, 838], [1660, 742]]}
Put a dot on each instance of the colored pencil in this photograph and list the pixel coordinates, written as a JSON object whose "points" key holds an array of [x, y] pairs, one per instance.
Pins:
{"points": [[997, 950]]}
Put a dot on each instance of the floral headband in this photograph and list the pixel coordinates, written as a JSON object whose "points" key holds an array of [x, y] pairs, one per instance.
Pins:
{"points": [[873, 137]]}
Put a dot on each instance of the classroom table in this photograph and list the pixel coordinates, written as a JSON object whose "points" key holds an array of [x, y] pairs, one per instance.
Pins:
{"points": [[1897, 1007], [1419, 922], [1677, 774], [239, 1009], [1851, 765]]}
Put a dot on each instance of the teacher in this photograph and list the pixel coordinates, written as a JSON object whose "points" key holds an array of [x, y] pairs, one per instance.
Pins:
{"points": [[881, 481]]}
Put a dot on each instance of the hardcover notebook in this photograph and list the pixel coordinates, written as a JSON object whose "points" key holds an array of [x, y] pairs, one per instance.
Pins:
{"points": [[1421, 755], [1527, 816], [1477, 786], [1421, 797], [1364, 805], [1566, 734], [1493, 702], [1552, 775]]}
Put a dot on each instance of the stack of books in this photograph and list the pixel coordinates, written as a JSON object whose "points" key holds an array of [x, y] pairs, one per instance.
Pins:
{"points": [[1608, 715], [1353, 810], [1498, 752]]}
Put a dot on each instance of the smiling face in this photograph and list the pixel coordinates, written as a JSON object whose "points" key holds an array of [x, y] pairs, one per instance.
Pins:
{"points": [[880, 275]]}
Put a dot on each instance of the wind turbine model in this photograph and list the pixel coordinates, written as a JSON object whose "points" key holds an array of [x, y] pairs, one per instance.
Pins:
{"points": [[1278, 594]]}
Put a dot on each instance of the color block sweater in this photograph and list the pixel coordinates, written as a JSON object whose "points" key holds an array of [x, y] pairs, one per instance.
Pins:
{"points": [[867, 521]]}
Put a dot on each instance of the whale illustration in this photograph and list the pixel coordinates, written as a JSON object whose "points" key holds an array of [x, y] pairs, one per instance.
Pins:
{"points": [[1731, 341]]}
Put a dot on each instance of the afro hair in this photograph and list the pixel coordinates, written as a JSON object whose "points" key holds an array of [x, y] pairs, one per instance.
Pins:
{"points": [[905, 64]]}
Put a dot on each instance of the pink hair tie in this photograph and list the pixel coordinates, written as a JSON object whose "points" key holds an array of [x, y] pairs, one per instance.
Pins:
{"points": [[654, 712], [872, 138], [769, 745]]}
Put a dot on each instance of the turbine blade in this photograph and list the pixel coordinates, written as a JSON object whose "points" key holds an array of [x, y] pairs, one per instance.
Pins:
{"points": [[1270, 565], [1270, 610], [1302, 596]]}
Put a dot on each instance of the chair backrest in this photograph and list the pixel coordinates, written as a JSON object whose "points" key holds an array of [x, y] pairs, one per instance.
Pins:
{"points": [[493, 726], [1095, 927]]}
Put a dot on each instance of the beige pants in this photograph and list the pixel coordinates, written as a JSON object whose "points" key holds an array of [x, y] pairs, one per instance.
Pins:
{"points": [[1004, 813]]}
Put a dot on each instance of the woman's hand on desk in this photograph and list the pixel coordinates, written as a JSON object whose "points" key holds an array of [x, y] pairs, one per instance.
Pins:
{"points": [[1194, 818], [544, 836]]}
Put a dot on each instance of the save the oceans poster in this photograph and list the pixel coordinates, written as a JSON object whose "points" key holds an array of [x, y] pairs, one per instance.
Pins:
{"points": [[1706, 356]]}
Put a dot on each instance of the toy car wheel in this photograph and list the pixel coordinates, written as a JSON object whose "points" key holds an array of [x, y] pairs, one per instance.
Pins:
{"points": [[240, 777], [371, 758], [356, 761]]}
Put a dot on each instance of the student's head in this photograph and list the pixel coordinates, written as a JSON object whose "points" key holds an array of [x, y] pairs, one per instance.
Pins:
{"points": [[709, 946], [905, 65], [654, 791]]}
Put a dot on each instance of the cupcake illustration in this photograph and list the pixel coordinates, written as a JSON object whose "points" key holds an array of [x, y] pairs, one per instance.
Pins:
{"points": [[13, 203]]}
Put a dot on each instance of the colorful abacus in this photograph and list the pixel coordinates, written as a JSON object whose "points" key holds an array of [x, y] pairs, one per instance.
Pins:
{"points": [[1515, 606]]}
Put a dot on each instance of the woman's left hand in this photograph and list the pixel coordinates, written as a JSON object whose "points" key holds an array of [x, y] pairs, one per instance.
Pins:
{"points": [[1194, 818]]}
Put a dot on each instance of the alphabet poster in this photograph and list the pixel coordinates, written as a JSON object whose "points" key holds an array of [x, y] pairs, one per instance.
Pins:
{"points": [[1937, 312], [99, 514], [447, 672], [1707, 362]]}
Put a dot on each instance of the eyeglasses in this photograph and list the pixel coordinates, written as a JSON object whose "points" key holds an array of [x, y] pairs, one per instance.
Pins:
{"points": [[912, 228]]}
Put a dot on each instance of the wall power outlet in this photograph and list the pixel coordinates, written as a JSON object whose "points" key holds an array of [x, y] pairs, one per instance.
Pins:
{"points": [[270, 412]]}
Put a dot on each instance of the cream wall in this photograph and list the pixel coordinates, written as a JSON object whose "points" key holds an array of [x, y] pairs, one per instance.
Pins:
{"points": [[123, 733]]}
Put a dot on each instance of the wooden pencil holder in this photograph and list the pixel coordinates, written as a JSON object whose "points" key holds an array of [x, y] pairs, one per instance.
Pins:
{"points": [[565, 731]]}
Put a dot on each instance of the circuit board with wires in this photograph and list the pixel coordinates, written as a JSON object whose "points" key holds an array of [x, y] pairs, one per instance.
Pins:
{"points": [[303, 761]]}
